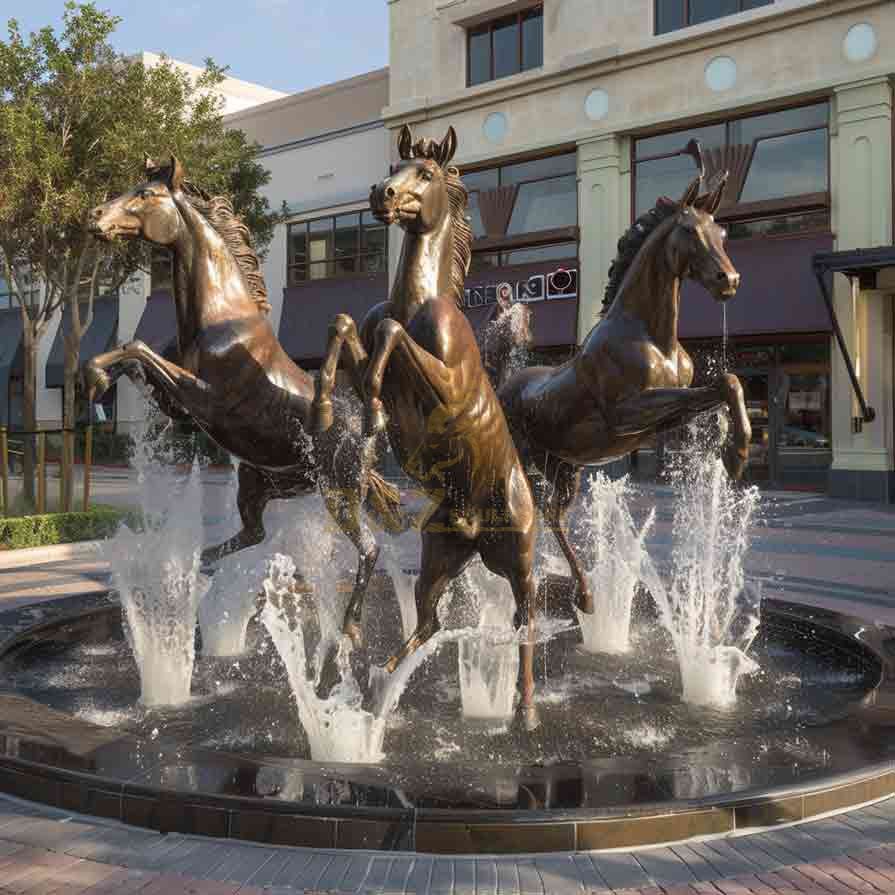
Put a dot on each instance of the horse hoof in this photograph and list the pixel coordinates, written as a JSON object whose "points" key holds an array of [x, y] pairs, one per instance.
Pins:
{"points": [[374, 419], [528, 715], [321, 416], [585, 601], [735, 463], [97, 382], [352, 630], [392, 664]]}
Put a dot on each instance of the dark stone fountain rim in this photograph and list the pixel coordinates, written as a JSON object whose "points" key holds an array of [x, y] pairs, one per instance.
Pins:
{"points": [[48, 746]]}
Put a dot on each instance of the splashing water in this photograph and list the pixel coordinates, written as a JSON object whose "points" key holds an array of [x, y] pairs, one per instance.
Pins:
{"points": [[489, 659], [707, 606], [401, 558], [617, 547], [156, 573]]}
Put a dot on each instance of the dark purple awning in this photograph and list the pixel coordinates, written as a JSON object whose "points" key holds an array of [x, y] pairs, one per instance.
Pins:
{"points": [[309, 309], [550, 289], [777, 295], [158, 325]]}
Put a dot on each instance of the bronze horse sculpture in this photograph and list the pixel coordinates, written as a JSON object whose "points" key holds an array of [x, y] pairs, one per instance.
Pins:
{"points": [[630, 378], [416, 362], [234, 379]]}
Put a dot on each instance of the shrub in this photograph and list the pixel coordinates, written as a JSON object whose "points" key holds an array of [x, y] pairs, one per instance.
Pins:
{"points": [[64, 528]]}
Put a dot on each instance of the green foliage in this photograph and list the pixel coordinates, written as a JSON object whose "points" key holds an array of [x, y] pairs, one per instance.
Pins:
{"points": [[64, 528]]}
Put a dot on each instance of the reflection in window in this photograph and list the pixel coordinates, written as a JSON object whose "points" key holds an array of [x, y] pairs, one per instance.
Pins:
{"points": [[780, 225], [774, 156], [338, 246], [791, 165], [505, 46], [544, 205]]}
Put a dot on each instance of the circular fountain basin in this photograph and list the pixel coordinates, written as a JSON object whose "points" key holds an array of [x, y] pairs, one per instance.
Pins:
{"points": [[618, 760]]}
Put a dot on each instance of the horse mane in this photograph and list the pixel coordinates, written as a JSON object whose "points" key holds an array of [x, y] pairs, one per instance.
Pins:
{"points": [[218, 211], [631, 243], [458, 198], [461, 254]]}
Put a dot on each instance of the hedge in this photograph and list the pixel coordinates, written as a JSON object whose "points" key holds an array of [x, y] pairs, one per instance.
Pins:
{"points": [[63, 528]]}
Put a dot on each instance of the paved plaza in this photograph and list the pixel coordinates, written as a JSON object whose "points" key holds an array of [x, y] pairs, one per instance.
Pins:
{"points": [[806, 548]]}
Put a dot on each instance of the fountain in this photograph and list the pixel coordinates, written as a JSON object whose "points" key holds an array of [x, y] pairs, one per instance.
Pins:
{"points": [[609, 535], [488, 659], [294, 712], [156, 573], [705, 602]]}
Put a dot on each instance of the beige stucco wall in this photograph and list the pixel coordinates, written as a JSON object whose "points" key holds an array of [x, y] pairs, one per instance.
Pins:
{"points": [[333, 107]]}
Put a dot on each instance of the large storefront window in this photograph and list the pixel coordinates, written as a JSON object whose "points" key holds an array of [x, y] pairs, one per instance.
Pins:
{"points": [[336, 246], [778, 168]]}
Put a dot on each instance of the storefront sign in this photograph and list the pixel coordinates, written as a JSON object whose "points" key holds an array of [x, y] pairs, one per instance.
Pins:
{"points": [[561, 283]]}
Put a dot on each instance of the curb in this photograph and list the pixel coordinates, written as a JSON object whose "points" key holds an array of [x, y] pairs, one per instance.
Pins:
{"points": [[29, 556]]}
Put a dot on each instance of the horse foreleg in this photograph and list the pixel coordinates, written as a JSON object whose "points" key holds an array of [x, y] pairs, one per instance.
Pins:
{"points": [[431, 378], [179, 385], [342, 334]]}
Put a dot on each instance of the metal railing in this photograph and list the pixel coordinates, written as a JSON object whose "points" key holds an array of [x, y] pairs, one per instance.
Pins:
{"points": [[68, 445]]}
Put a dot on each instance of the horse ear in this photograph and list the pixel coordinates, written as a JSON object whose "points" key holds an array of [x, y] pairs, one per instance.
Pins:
{"points": [[405, 143], [691, 193], [712, 200], [448, 147], [175, 174]]}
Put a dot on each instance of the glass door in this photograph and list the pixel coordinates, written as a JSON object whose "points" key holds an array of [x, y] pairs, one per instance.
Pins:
{"points": [[760, 407]]}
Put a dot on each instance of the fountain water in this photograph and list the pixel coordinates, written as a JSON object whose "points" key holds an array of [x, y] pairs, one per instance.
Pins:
{"points": [[156, 572], [609, 535], [401, 559], [489, 658], [705, 603]]}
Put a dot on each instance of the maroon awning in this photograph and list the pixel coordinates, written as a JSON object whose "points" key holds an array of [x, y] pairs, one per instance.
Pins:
{"points": [[778, 293], [309, 309]]}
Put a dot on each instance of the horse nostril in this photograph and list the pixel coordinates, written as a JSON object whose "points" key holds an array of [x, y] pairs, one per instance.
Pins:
{"points": [[390, 192]]}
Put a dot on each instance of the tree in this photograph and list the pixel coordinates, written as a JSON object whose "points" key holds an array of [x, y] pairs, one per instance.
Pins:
{"points": [[76, 119]]}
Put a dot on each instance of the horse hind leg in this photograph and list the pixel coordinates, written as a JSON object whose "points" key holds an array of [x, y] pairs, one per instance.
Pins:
{"points": [[444, 556], [254, 492], [566, 483]]}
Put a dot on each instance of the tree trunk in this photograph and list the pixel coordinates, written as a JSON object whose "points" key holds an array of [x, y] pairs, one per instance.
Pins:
{"points": [[72, 343], [29, 412]]}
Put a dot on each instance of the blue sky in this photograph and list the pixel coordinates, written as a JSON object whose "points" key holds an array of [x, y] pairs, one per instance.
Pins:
{"points": [[289, 45]]}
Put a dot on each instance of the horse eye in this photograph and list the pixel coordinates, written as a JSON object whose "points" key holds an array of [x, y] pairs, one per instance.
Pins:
{"points": [[425, 174], [146, 194]]}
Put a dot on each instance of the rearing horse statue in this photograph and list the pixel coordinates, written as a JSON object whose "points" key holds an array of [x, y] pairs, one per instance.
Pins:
{"points": [[630, 378], [234, 379], [417, 364]]}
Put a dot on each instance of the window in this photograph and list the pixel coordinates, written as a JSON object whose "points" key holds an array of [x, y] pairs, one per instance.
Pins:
{"points": [[674, 14], [522, 198], [778, 168], [161, 271], [505, 46], [28, 283], [337, 246]]}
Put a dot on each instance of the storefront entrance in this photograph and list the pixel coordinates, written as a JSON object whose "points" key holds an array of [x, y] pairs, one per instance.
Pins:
{"points": [[787, 392]]}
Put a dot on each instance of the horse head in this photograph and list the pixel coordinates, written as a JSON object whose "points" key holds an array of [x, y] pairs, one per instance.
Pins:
{"points": [[415, 194], [695, 244], [148, 211]]}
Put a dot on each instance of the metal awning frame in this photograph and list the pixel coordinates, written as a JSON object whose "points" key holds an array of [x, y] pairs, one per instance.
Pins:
{"points": [[861, 267]]}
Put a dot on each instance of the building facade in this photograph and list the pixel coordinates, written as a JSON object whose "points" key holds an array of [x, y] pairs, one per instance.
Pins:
{"points": [[571, 117]]}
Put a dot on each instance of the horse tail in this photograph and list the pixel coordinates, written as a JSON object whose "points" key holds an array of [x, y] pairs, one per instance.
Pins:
{"points": [[384, 503]]}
